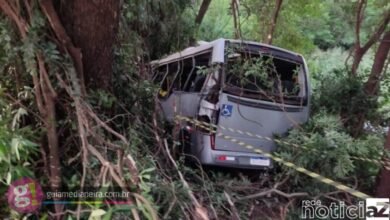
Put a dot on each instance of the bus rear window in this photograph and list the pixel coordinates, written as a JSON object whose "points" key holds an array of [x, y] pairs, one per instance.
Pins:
{"points": [[264, 76]]}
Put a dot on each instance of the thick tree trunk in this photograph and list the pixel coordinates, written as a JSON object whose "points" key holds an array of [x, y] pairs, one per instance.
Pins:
{"points": [[93, 27], [383, 180], [271, 28]]}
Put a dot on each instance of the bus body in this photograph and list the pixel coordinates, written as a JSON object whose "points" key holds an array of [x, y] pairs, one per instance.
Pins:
{"points": [[204, 83]]}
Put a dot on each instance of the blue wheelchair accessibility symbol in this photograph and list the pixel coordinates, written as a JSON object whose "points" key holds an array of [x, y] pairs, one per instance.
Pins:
{"points": [[226, 110]]}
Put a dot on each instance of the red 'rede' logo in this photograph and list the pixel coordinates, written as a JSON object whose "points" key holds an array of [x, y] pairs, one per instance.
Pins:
{"points": [[25, 195]]}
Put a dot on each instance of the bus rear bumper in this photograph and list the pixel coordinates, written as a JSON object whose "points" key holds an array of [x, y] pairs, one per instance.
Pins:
{"points": [[234, 159]]}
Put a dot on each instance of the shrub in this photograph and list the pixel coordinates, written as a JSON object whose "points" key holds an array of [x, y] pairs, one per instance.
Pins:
{"points": [[327, 149]]}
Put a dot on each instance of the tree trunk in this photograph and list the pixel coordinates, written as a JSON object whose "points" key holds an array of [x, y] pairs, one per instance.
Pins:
{"points": [[198, 20], [360, 51], [236, 22], [275, 16], [93, 27], [383, 180], [371, 87], [357, 58], [202, 11], [64, 42]]}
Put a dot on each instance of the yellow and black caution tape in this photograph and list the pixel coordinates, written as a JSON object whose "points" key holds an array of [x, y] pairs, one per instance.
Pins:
{"points": [[300, 169], [384, 163]]}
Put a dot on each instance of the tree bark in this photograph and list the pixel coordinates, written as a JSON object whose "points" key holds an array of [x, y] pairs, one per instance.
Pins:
{"points": [[383, 180], [357, 58], [275, 16], [93, 27]]}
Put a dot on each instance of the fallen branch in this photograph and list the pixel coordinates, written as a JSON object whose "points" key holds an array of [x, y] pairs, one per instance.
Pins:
{"points": [[232, 206], [200, 211], [276, 191]]}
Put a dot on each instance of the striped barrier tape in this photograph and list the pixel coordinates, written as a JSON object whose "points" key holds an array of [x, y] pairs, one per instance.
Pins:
{"points": [[384, 163], [300, 169]]}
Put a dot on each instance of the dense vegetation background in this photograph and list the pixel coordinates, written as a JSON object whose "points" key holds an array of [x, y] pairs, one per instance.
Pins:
{"points": [[77, 109]]}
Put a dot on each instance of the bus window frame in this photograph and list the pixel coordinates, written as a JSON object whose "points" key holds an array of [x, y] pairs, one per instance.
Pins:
{"points": [[181, 87], [249, 49], [169, 91], [210, 63], [155, 74], [179, 61], [189, 75]]}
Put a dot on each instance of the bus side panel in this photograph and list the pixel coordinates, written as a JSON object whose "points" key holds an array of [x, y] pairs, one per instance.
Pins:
{"points": [[167, 107], [188, 103], [180, 103]]}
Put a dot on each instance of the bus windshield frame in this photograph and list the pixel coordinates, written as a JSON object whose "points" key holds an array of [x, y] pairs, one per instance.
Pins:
{"points": [[247, 53]]}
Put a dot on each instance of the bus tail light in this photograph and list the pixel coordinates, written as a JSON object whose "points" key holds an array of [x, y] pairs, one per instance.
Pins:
{"points": [[222, 158], [226, 158], [212, 141]]}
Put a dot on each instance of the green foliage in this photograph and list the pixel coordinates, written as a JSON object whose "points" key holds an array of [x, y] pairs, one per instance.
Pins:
{"points": [[17, 137], [102, 99], [344, 95], [218, 21], [329, 151], [258, 68], [290, 30], [301, 26], [333, 27], [384, 98], [20, 129], [254, 22], [158, 27], [324, 63], [16, 149]]}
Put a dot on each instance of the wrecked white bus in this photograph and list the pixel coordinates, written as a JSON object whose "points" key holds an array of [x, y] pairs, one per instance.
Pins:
{"points": [[242, 85]]}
